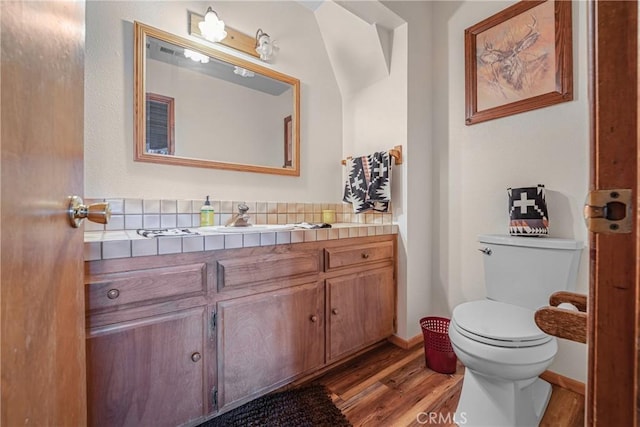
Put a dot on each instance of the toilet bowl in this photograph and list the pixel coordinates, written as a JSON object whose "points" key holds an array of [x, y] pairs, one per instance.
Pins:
{"points": [[497, 340], [503, 359]]}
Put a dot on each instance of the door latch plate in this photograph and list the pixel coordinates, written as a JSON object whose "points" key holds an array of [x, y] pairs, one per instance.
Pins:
{"points": [[608, 211]]}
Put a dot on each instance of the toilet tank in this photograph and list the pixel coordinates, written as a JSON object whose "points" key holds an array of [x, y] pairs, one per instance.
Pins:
{"points": [[525, 271]]}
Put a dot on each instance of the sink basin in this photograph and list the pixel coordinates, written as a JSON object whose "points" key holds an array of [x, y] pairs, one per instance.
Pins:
{"points": [[250, 229]]}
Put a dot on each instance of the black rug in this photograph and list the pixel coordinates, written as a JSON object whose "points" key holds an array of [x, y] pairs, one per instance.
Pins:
{"points": [[308, 406]]}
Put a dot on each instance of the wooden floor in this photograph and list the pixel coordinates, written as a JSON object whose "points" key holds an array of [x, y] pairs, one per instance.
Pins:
{"points": [[391, 387]]}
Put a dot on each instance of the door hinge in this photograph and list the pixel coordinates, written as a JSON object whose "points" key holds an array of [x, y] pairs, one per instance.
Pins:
{"points": [[214, 398], [609, 211], [214, 320]]}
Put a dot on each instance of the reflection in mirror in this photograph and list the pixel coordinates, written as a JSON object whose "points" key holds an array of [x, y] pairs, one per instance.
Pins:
{"points": [[160, 118], [196, 106]]}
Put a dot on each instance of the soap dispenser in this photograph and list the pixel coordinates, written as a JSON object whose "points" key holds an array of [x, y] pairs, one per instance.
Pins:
{"points": [[206, 214]]}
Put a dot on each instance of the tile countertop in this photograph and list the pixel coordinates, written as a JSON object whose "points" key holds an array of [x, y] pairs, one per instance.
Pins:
{"points": [[128, 243]]}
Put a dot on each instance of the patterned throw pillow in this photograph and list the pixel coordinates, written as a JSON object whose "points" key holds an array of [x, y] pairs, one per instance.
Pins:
{"points": [[528, 211]]}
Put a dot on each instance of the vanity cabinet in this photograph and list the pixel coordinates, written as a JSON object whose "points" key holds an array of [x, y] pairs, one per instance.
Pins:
{"points": [[148, 371], [267, 339], [175, 339], [360, 310], [361, 298], [149, 342]]}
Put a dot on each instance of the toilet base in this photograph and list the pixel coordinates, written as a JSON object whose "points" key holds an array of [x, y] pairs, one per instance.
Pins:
{"points": [[486, 401]]}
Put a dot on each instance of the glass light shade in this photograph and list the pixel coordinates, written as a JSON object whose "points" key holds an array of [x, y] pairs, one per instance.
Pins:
{"points": [[243, 72], [196, 56], [265, 47], [212, 28]]}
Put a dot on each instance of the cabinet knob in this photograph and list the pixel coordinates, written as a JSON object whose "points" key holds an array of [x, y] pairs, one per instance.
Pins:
{"points": [[313, 318], [113, 294], [196, 356], [334, 311], [365, 255]]}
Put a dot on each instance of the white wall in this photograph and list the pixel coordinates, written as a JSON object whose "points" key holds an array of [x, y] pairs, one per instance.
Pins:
{"points": [[109, 167], [397, 110], [474, 165]]}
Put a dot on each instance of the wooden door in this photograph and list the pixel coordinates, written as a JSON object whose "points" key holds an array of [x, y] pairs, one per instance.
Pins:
{"points": [[42, 308], [360, 310], [148, 372], [612, 390], [265, 340]]}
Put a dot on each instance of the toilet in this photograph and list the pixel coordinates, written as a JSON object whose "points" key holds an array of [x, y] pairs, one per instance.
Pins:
{"points": [[497, 339]]}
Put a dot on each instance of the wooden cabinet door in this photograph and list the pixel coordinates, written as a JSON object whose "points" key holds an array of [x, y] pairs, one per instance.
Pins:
{"points": [[361, 310], [264, 340], [149, 371]]}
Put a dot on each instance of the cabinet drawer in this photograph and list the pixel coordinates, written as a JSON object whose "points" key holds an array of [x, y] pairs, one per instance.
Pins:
{"points": [[353, 255], [235, 272], [147, 286]]}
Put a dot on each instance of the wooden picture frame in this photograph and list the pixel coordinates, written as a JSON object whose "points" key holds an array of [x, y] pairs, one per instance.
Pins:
{"points": [[288, 142], [518, 60]]}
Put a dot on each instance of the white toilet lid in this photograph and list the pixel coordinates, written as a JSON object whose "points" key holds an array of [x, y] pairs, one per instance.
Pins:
{"points": [[497, 323]]}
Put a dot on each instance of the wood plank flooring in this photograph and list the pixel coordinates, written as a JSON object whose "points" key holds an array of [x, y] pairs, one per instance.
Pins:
{"points": [[392, 387]]}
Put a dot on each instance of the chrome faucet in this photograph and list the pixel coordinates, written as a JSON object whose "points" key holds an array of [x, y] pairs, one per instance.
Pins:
{"points": [[240, 219]]}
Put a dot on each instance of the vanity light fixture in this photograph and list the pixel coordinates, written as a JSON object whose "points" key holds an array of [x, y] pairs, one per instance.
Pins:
{"points": [[212, 28], [243, 72], [266, 47], [196, 56]]}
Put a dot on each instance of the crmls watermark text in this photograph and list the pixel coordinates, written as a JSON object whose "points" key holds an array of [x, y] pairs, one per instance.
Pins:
{"points": [[438, 418]]}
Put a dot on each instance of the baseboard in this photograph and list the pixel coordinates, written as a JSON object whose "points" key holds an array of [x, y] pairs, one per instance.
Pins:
{"points": [[564, 382], [405, 344]]}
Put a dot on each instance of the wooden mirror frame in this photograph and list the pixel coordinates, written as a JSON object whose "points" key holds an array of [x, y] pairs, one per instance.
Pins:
{"points": [[141, 32]]}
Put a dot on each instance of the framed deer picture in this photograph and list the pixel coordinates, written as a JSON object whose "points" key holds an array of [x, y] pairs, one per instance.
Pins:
{"points": [[518, 60]]}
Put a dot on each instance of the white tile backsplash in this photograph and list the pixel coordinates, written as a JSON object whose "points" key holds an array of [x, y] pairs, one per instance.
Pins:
{"points": [[297, 236], [184, 220], [144, 247], [132, 222], [92, 251], [132, 206], [283, 237], [214, 243], [169, 245], [251, 239], [116, 249], [168, 206], [116, 206], [151, 206], [151, 221], [232, 241], [184, 207], [267, 239], [193, 244], [116, 222], [168, 221], [133, 214], [127, 243]]}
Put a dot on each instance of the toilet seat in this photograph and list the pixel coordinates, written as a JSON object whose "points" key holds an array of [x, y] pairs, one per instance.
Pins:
{"points": [[498, 324]]}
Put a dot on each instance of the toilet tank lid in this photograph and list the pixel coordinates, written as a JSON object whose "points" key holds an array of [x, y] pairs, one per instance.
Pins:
{"points": [[531, 242]]}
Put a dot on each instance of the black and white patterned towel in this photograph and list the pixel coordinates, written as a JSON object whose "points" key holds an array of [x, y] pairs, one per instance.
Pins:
{"points": [[528, 214], [166, 232], [368, 183]]}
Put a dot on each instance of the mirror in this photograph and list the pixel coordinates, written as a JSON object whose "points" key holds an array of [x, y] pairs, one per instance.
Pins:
{"points": [[196, 106]]}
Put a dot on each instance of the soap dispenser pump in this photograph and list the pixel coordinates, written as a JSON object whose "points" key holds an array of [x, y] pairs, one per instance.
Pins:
{"points": [[206, 214]]}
